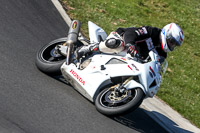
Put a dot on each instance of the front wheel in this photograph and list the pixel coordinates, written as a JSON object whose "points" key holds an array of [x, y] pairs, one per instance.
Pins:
{"points": [[109, 103]]}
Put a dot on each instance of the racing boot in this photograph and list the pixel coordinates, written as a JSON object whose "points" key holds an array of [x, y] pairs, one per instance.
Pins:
{"points": [[85, 50]]}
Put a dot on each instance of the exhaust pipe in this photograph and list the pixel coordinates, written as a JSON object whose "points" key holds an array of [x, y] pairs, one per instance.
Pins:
{"points": [[72, 39], [73, 32]]}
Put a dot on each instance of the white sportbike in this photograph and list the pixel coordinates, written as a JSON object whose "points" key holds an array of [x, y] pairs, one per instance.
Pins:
{"points": [[112, 79]]}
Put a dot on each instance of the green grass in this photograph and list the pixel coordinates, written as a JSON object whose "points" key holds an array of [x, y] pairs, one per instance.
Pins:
{"points": [[181, 84]]}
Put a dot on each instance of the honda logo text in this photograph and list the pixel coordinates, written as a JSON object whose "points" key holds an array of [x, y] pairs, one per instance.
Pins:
{"points": [[77, 76]]}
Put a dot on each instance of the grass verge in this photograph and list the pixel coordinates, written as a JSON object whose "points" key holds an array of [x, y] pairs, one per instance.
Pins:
{"points": [[181, 84]]}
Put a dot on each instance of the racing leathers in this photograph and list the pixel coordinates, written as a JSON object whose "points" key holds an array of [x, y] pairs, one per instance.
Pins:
{"points": [[144, 39], [140, 40]]}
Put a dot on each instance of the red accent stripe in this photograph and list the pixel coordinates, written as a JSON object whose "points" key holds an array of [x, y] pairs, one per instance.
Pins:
{"points": [[181, 39], [170, 26], [162, 44], [123, 44], [152, 71], [130, 67]]}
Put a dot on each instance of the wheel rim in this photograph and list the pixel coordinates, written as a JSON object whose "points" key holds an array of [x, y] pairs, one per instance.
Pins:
{"points": [[110, 100], [49, 54]]}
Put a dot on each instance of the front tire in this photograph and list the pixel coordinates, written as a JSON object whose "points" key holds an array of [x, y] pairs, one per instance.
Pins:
{"points": [[109, 104]]}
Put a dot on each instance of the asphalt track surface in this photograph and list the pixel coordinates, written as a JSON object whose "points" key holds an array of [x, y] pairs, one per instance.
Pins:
{"points": [[32, 102]]}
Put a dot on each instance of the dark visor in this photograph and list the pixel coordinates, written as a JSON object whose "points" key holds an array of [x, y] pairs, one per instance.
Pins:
{"points": [[171, 41]]}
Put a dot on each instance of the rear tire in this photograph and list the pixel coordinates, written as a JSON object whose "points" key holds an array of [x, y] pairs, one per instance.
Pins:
{"points": [[109, 104], [49, 64]]}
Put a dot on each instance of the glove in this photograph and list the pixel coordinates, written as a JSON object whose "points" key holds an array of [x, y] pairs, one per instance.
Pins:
{"points": [[132, 51]]}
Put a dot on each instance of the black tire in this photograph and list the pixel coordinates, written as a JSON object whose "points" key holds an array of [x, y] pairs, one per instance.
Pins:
{"points": [[44, 61], [107, 106]]}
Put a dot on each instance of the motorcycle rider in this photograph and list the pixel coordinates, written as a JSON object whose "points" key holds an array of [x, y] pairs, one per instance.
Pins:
{"points": [[139, 41]]}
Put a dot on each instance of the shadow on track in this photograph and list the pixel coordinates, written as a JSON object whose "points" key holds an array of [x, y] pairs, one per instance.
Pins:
{"points": [[135, 121]]}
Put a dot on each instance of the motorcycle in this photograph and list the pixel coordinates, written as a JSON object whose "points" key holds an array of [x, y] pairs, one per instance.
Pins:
{"points": [[113, 80]]}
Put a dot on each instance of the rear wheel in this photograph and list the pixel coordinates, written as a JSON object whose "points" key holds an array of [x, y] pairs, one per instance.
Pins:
{"points": [[109, 103], [49, 60]]}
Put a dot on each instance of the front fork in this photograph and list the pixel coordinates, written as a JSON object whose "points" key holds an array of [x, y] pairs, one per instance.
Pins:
{"points": [[120, 89]]}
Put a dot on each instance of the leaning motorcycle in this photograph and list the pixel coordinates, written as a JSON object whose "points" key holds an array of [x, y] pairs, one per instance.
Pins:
{"points": [[112, 79]]}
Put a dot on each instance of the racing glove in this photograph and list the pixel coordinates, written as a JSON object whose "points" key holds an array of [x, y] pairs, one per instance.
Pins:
{"points": [[132, 51]]}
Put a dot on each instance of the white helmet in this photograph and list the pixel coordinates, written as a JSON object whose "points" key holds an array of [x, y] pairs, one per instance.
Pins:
{"points": [[171, 36]]}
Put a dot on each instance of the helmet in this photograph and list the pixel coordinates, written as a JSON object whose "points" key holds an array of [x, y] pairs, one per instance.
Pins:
{"points": [[171, 36]]}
